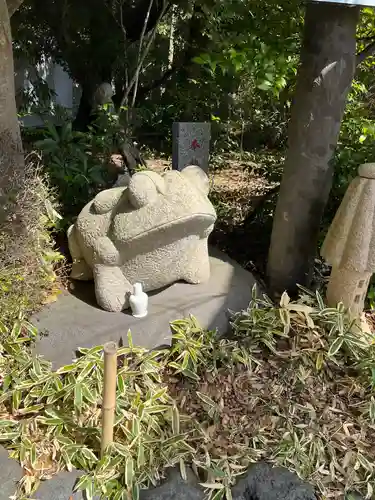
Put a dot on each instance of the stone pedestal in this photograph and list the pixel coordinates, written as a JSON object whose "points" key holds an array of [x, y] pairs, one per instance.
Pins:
{"points": [[191, 144], [75, 320]]}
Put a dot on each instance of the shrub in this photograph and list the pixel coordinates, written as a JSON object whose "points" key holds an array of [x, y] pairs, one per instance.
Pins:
{"points": [[73, 169], [28, 258]]}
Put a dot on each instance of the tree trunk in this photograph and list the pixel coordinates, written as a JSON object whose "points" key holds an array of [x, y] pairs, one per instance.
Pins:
{"points": [[327, 67], [13, 6], [83, 117], [12, 167]]}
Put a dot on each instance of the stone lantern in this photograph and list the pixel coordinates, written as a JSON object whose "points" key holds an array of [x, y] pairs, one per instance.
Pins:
{"points": [[349, 246]]}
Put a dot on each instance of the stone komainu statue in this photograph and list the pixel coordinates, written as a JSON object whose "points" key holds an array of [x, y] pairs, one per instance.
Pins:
{"points": [[154, 232]]}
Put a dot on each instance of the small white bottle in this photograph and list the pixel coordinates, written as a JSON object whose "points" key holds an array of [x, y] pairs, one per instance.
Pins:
{"points": [[138, 301]]}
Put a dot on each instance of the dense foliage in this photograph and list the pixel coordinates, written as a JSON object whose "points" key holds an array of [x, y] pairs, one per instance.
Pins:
{"points": [[28, 273], [77, 164], [231, 62]]}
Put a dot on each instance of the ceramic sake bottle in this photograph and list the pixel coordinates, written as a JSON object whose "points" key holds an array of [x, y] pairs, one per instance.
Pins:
{"points": [[138, 301]]}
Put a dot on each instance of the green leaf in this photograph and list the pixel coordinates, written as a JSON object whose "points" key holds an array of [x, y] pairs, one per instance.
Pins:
{"points": [[140, 411], [285, 300], [88, 395], [372, 409], [31, 409], [89, 490], [320, 301], [191, 374], [206, 399], [7, 423], [16, 330], [265, 85], [120, 384], [118, 495], [335, 346], [135, 426], [46, 145], [152, 410], [199, 60], [129, 472], [84, 373], [216, 471], [160, 394], [173, 440], [8, 436], [141, 456], [89, 455], [212, 486], [121, 449], [175, 420], [67, 458], [183, 469], [67, 368], [130, 340], [218, 495], [16, 399], [78, 397], [50, 421], [135, 492], [362, 138], [33, 455]]}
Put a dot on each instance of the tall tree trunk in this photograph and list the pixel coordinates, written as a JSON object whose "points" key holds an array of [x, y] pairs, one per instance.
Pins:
{"points": [[325, 76], [83, 117], [12, 167]]}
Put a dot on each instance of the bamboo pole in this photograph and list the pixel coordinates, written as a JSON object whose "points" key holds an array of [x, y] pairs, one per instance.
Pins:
{"points": [[109, 394]]}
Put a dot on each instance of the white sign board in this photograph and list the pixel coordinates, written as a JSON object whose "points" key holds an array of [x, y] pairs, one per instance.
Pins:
{"points": [[367, 3]]}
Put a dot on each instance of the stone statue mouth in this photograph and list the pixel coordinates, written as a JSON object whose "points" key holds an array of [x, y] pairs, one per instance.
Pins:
{"points": [[205, 221]]}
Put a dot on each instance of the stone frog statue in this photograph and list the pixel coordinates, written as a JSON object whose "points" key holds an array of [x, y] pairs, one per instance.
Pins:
{"points": [[154, 231]]}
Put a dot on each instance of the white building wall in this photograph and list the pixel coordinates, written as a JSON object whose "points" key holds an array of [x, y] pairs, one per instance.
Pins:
{"points": [[67, 93]]}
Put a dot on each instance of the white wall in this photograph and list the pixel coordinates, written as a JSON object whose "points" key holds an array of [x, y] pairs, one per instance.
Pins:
{"points": [[67, 92]]}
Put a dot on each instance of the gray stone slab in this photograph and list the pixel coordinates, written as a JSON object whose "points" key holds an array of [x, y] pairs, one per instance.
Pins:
{"points": [[76, 321], [60, 487], [264, 482], [175, 488], [191, 144], [10, 473]]}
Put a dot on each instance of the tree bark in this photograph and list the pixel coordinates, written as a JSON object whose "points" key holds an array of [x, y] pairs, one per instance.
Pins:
{"points": [[12, 167], [83, 117], [328, 61], [13, 5]]}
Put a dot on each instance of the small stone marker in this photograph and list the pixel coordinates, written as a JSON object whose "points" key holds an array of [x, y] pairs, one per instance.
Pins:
{"points": [[191, 144]]}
